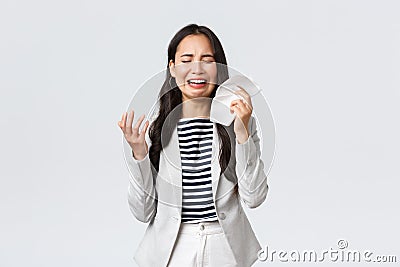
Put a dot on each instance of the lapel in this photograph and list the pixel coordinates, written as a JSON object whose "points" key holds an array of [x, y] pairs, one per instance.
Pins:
{"points": [[173, 160]]}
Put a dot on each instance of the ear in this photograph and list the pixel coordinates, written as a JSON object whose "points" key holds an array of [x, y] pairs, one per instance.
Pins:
{"points": [[172, 68]]}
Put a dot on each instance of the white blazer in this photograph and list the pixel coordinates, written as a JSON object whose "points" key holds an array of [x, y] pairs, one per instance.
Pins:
{"points": [[156, 197]]}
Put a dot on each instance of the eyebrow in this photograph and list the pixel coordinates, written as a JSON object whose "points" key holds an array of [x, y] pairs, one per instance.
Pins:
{"points": [[191, 55]]}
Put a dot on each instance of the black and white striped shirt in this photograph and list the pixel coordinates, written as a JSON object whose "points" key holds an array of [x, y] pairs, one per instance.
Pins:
{"points": [[195, 143]]}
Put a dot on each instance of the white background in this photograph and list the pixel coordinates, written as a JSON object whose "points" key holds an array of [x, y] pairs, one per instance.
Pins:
{"points": [[68, 70]]}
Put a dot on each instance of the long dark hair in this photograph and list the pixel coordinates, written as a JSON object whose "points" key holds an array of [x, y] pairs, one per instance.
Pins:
{"points": [[170, 98]]}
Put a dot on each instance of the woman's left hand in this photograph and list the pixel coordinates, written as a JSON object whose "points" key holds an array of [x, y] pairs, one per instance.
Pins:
{"points": [[243, 109]]}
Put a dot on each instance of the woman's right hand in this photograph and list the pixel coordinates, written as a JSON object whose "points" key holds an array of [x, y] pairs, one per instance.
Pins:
{"points": [[135, 139]]}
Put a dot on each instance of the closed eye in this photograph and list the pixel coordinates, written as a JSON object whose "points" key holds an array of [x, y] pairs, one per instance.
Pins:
{"points": [[208, 61]]}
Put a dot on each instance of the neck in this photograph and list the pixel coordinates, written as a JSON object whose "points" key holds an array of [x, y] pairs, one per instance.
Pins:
{"points": [[197, 107]]}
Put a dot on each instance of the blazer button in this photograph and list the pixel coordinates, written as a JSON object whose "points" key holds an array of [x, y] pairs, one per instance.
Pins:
{"points": [[175, 217], [222, 216]]}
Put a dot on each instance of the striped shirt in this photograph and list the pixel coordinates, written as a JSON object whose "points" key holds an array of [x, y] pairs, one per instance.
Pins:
{"points": [[195, 142]]}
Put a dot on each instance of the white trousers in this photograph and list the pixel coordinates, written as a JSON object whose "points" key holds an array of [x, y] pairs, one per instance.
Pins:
{"points": [[201, 245]]}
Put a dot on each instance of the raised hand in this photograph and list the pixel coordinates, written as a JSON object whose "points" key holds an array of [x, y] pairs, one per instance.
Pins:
{"points": [[135, 139], [243, 109]]}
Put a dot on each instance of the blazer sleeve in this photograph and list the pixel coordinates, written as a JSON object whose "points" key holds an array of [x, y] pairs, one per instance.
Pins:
{"points": [[252, 180], [142, 194]]}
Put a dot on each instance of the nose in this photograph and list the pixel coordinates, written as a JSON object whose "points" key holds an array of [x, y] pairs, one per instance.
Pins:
{"points": [[197, 67]]}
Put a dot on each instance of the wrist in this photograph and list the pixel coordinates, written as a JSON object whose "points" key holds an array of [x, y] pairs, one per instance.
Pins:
{"points": [[138, 156], [242, 138]]}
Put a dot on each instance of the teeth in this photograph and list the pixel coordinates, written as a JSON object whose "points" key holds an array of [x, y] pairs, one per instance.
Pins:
{"points": [[197, 81]]}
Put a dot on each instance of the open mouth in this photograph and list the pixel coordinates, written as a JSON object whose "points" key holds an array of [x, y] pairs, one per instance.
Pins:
{"points": [[197, 83]]}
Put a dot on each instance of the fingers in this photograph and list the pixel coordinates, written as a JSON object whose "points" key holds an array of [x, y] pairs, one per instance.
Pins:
{"points": [[122, 122], [243, 93], [129, 121], [126, 122], [239, 103], [243, 103], [240, 108], [239, 112], [138, 123], [235, 109], [146, 125]]}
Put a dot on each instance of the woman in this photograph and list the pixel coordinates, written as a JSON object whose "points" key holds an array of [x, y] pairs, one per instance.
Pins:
{"points": [[174, 180]]}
